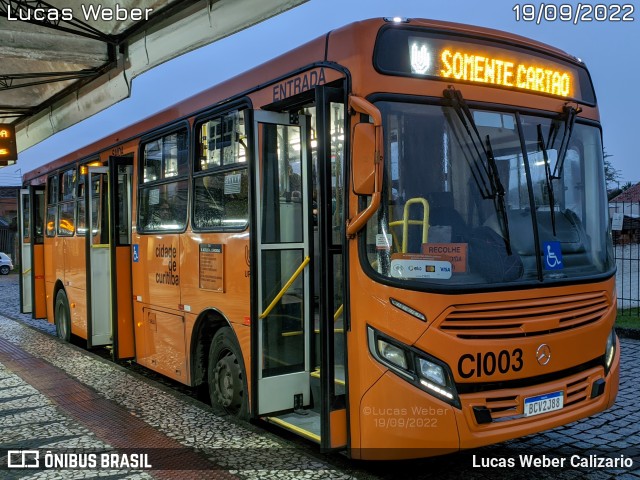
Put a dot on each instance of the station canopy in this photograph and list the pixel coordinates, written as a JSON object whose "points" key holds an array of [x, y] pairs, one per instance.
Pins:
{"points": [[63, 61]]}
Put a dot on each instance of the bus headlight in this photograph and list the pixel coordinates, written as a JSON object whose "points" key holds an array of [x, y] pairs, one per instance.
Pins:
{"points": [[417, 367], [610, 350], [436, 379], [392, 353], [432, 372]]}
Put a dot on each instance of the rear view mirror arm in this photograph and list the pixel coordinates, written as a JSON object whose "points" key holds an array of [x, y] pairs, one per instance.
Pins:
{"points": [[360, 105]]}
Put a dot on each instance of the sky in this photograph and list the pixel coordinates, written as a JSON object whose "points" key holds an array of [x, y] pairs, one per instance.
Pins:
{"points": [[610, 50]]}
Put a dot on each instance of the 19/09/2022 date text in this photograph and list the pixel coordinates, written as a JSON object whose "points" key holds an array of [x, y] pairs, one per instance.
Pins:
{"points": [[579, 13]]}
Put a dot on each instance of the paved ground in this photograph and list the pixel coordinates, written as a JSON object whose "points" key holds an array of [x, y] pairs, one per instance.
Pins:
{"points": [[59, 398]]}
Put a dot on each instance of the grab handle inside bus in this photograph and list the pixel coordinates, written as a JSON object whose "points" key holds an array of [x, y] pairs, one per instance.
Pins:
{"points": [[284, 289], [367, 161]]}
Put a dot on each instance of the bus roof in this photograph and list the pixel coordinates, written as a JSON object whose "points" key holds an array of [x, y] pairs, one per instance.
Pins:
{"points": [[317, 50]]}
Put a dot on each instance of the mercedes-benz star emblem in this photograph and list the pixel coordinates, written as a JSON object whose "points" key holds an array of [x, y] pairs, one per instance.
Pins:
{"points": [[543, 354]]}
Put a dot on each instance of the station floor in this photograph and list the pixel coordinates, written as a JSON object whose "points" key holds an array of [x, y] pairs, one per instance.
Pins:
{"points": [[72, 407]]}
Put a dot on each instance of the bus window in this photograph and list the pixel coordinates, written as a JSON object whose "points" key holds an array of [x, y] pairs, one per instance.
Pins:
{"points": [[66, 225], [222, 141], [221, 199], [163, 195], [68, 185], [52, 200], [26, 219], [166, 157], [81, 227], [38, 216], [67, 205], [337, 169], [164, 207], [476, 236]]}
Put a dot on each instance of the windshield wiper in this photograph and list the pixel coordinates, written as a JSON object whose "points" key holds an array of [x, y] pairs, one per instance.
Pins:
{"points": [[548, 178], [495, 191], [478, 169], [498, 188], [569, 114]]}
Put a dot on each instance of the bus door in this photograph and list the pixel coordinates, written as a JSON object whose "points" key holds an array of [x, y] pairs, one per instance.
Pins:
{"points": [[26, 272], [284, 258], [121, 191], [98, 258], [109, 289], [329, 243], [31, 251]]}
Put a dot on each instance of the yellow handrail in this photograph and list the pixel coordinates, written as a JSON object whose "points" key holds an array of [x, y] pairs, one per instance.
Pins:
{"points": [[295, 275], [405, 222], [26, 271], [338, 313]]}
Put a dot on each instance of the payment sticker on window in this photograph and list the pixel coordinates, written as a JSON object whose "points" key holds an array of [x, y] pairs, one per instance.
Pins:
{"points": [[421, 268]]}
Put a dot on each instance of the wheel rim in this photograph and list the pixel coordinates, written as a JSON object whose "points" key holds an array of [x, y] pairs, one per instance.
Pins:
{"points": [[4, 270], [227, 382]]}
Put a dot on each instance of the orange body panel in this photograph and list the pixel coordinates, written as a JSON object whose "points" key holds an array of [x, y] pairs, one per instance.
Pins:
{"points": [[370, 307], [78, 309], [232, 302], [39, 295], [49, 277], [396, 420], [165, 352], [339, 426], [75, 283], [124, 316]]}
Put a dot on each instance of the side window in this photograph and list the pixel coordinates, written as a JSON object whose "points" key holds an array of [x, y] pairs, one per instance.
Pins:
{"points": [[164, 190], [52, 201], [81, 228], [67, 203], [221, 183]]}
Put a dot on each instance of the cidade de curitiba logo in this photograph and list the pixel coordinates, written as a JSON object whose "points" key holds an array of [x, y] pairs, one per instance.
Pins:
{"points": [[35, 459]]}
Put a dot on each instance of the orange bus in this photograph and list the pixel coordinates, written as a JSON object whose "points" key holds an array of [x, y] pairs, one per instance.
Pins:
{"points": [[392, 240]]}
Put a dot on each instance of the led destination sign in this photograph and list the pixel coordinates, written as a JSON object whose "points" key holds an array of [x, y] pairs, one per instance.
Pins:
{"points": [[483, 66], [8, 150], [435, 55]]}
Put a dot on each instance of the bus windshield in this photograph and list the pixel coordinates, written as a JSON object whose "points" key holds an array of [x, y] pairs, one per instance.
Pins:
{"points": [[466, 197]]}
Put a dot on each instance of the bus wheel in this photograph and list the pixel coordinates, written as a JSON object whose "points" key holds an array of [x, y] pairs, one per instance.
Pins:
{"points": [[62, 316], [227, 380]]}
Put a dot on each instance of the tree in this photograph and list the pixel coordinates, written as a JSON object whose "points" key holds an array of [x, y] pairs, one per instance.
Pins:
{"points": [[611, 174]]}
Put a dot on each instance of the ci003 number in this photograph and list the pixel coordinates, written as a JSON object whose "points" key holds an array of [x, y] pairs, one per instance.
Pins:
{"points": [[487, 364]]}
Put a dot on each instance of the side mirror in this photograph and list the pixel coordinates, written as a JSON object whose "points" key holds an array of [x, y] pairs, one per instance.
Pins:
{"points": [[364, 148], [366, 161]]}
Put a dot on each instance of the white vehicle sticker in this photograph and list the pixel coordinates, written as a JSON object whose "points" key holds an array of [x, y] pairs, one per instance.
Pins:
{"points": [[401, 268]]}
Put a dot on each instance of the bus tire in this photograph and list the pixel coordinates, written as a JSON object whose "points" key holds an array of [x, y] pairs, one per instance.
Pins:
{"points": [[62, 316], [226, 376]]}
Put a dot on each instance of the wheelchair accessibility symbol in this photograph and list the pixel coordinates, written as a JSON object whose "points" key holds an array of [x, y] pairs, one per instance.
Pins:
{"points": [[136, 253], [552, 256]]}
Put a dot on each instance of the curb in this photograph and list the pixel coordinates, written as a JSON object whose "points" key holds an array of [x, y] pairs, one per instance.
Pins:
{"points": [[632, 333]]}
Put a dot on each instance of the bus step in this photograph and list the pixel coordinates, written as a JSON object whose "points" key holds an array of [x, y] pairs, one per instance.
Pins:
{"points": [[307, 426]]}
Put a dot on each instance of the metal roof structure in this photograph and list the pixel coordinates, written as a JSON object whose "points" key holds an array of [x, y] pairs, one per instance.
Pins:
{"points": [[61, 62]]}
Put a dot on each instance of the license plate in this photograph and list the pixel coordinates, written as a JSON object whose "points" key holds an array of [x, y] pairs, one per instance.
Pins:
{"points": [[543, 403]]}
